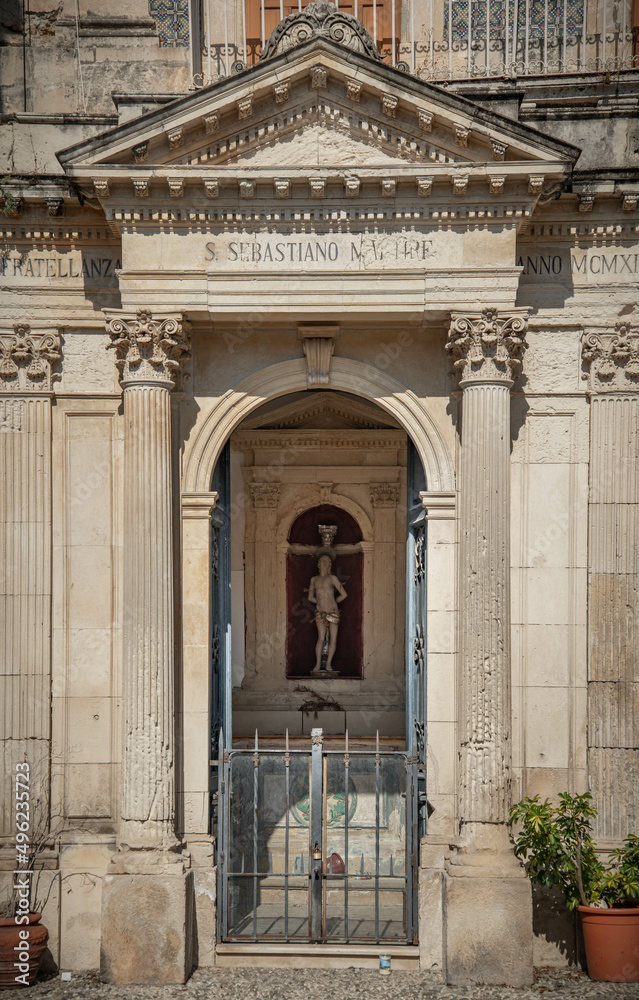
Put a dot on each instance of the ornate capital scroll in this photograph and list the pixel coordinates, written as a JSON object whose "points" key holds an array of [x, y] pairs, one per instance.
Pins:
{"points": [[320, 19], [265, 495], [148, 350], [612, 358], [384, 494], [27, 359], [487, 346]]}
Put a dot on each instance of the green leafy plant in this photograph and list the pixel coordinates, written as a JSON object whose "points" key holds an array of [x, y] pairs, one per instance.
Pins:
{"points": [[556, 844]]}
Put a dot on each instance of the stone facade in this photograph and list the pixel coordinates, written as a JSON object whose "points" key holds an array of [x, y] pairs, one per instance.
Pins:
{"points": [[306, 272]]}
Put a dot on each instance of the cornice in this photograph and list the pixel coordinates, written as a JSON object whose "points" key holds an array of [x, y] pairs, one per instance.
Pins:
{"points": [[309, 439]]}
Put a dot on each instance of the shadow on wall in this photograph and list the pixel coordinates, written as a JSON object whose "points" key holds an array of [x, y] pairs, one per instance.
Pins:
{"points": [[555, 930]]}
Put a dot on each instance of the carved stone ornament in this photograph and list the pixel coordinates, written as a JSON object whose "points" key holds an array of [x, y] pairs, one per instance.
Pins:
{"points": [[148, 350], [424, 186], [318, 344], [27, 359], [629, 202], [282, 91], [389, 105], [175, 137], [613, 359], [535, 183], [320, 20], [497, 182], [141, 187], [318, 187], [212, 188], [55, 206], [319, 77], [245, 108], [354, 90], [389, 187], [140, 152], [487, 346], [176, 187], [425, 121], [461, 135], [265, 495], [384, 494], [101, 186], [282, 188], [499, 149], [211, 123], [586, 201], [460, 184], [351, 185], [247, 190]]}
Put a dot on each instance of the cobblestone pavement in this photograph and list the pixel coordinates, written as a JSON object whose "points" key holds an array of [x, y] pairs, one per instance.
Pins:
{"points": [[327, 984]]}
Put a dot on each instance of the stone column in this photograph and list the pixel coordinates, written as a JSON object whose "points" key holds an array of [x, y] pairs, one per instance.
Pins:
{"points": [[27, 361], [149, 354], [486, 349], [612, 357]]}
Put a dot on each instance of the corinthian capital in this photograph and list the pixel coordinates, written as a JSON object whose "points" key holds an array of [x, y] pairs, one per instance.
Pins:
{"points": [[148, 350], [612, 358], [27, 359], [488, 346]]}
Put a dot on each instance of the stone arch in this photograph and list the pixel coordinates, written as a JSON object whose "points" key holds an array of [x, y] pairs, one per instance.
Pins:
{"points": [[215, 427], [310, 498]]}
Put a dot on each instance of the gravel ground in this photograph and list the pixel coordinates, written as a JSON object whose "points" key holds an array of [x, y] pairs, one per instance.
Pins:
{"points": [[324, 984]]}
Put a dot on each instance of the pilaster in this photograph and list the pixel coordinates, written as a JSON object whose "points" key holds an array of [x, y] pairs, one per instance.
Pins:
{"points": [[612, 361], [147, 894], [485, 887], [28, 359]]}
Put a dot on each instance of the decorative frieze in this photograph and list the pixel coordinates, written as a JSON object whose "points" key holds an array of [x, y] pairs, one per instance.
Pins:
{"points": [[612, 358], [28, 359], [319, 77], [265, 495], [384, 494], [281, 91], [148, 350], [488, 346]]}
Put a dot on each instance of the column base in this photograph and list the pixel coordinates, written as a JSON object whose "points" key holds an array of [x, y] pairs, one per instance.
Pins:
{"points": [[147, 921], [488, 905]]}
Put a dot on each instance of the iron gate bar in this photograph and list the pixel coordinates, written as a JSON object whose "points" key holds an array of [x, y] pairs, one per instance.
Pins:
{"points": [[256, 765], [347, 761], [287, 766], [317, 882], [377, 764]]}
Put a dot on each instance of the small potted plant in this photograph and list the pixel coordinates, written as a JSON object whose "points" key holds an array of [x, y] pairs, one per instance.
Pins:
{"points": [[556, 844]]}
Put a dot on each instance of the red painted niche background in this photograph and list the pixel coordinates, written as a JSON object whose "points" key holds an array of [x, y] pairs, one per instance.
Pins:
{"points": [[301, 629]]}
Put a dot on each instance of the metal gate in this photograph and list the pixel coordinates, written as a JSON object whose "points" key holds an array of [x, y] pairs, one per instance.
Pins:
{"points": [[317, 845]]}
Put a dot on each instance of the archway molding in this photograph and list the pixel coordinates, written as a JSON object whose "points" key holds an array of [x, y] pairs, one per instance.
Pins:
{"points": [[214, 428]]}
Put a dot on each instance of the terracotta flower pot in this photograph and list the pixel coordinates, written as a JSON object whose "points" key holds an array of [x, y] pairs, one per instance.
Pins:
{"points": [[21, 953], [611, 938]]}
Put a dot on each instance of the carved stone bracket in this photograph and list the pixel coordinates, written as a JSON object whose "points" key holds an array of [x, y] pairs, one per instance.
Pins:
{"points": [[265, 495], [612, 358], [148, 350], [488, 346], [318, 344], [28, 358], [384, 494]]}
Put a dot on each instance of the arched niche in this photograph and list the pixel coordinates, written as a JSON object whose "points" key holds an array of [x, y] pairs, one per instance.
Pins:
{"points": [[304, 548]]}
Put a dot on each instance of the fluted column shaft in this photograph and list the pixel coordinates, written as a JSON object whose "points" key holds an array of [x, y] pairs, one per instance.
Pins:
{"points": [[148, 354], [484, 579], [27, 358], [486, 349], [613, 571]]}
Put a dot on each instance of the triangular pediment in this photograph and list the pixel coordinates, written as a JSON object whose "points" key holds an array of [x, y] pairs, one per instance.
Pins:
{"points": [[320, 411], [317, 122]]}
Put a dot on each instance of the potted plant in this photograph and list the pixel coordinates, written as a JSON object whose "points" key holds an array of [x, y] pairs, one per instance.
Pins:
{"points": [[556, 844]]}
